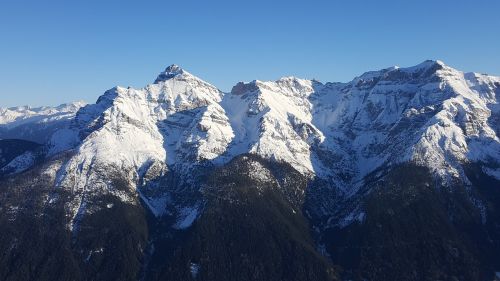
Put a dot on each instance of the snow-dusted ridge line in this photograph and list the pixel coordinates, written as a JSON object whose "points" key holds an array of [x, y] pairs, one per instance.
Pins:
{"points": [[36, 124], [429, 113], [19, 115]]}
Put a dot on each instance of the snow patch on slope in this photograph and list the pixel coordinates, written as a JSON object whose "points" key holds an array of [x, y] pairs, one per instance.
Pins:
{"points": [[186, 217], [20, 163]]}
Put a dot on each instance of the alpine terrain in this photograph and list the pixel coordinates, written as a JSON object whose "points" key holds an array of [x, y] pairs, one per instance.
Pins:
{"points": [[394, 175]]}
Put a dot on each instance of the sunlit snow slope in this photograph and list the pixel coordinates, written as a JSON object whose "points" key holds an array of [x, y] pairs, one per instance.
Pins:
{"points": [[430, 114]]}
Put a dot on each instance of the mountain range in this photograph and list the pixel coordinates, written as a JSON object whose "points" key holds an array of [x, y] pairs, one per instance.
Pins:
{"points": [[394, 175]]}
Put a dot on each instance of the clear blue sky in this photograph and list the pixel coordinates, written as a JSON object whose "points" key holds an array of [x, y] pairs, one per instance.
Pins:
{"points": [[59, 51]]}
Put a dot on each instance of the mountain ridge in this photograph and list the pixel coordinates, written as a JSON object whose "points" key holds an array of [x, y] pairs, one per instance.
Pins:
{"points": [[406, 155], [257, 116]]}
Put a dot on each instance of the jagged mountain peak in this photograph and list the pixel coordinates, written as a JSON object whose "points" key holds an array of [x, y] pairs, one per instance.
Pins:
{"points": [[173, 68], [432, 65], [171, 71], [426, 69], [181, 87], [433, 62], [243, 87]]}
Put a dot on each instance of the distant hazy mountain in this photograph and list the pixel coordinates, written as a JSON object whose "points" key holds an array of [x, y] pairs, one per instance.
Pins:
{"points": [[392, 176], [35, 124]]}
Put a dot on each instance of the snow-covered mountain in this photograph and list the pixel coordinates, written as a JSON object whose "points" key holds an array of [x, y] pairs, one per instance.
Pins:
{"points": [[35, 124], [430, 113], [157, 144], [16, 116]]}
